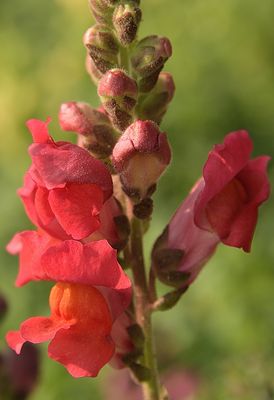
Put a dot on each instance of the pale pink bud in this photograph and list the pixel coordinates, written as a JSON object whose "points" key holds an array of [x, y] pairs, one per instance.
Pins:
{"points": [[81, 118], [102, 46], [118, 93], [140, 156], [92, 70]]}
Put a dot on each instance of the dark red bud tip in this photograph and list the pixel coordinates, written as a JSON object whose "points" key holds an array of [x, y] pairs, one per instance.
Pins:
{"points": [[116, 83]]}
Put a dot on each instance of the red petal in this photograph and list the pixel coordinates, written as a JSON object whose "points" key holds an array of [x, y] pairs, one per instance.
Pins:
{"points": [[39, 130], [68, 163], [224, 162], [15, 341], [95, 264], [77, 208], [30, 245], [42, 329], [83, 353]]}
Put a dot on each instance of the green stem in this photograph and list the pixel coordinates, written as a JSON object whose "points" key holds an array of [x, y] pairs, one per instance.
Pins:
{"points": [[151, 388]]}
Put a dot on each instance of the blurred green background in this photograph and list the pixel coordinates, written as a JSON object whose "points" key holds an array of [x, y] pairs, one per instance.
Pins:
{"points": [[223, 66]]}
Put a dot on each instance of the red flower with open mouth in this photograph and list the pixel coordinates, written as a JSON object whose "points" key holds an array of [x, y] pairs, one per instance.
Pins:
{"points": [[234, 188], [65, 188], [90, 293]]}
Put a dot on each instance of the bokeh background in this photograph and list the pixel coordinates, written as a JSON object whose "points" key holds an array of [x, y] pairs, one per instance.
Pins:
{"points": [[222, 332]]}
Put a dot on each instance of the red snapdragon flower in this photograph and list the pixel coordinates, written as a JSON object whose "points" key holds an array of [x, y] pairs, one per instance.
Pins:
{"points": [[221, 207], [234, 188], [65, 188], [90, 293]]}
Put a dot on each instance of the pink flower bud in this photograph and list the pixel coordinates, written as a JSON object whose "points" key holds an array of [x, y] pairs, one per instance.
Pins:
{"points": [[102, 47], [94, 125], [126, 19], [148, 59], [118, 93], [154, 105], [140, 156]]}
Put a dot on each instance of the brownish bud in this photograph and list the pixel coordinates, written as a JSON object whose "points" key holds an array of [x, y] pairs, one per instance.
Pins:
{"points": [[102, 47], [148, 59], [144, 209], [98, 135], [154, 105], [126, 19], [92, 70], [118, 93], [102, 10]]}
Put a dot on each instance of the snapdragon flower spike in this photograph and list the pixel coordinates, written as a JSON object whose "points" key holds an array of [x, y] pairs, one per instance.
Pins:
{"points": [[234, 188], [118, 93], [126, 19], [90, 293], [65, 188], [148, 59], [99, 137], [154, 105], [140, 156], [183, 248], [102, 46], [222, 207]]}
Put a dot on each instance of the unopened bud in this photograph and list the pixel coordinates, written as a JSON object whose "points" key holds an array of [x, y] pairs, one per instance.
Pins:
{"points": [[148, 59], [140, 156], [126, 19], [99, 135], [102, 46], [144, 209], [92, 70], [118, 93], [102, 10], [154, 105]]}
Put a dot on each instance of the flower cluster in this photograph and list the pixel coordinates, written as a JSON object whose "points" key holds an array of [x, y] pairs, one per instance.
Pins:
{"points": [[64, 194], [92, 202]]}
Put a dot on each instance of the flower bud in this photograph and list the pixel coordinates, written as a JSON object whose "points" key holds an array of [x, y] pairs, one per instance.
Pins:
{"points": [[126, 19], [118, 93], [102, 10], [140, 156], [102, 47], [148, 59], [154, 105], [98, 134], [92, 70]]}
